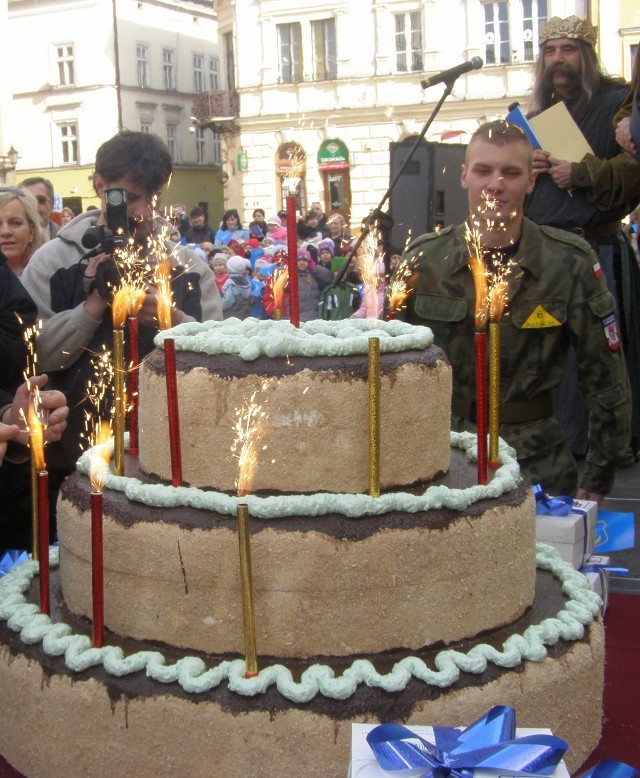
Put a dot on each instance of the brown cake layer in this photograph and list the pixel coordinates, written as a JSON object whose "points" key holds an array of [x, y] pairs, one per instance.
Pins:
{"points": [[316, 435]]}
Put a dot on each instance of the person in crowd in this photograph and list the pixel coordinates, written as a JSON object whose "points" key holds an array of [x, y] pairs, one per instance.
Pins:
{"points": [[179, 219], [338, 233], [199, 232], [231, 228], [589, 197], [236, 290], [275, 230], [261, 274], [218, 263], [20, 230], [395, 255], [42, 190], [258, 227], [18, 314], [555, 298], [66, 215], [322, 218], [68, 284], [622, 120], [308, 229], [311, 282], [326, 251]]}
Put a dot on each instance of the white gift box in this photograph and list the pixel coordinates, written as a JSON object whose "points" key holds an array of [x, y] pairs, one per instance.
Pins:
{"points": [[573, 535], [364, 764], [598, 580]]}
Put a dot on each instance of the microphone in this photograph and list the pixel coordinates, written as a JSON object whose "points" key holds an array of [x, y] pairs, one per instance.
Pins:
{"points": [[449, 76]]}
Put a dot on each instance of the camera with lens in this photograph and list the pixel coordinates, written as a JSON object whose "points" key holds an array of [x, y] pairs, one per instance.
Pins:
{"points": [[105, 239]]}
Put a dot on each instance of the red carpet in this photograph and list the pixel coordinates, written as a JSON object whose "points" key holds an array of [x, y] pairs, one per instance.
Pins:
{"points": [[621, 722]]}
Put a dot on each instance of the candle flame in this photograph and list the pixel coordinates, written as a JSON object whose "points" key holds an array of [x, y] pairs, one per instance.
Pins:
{"points": [[479, 272], [119, 307], [100, 455], [249, 427], [297, 166], [370, 265], [36, 437]]}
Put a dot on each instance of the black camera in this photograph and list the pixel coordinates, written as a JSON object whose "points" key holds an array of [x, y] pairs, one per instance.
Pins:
{"points": [[105, 239]]}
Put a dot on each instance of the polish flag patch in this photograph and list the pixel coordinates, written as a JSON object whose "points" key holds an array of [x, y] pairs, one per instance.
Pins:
{"points": [[610, 326], [597, 270]]}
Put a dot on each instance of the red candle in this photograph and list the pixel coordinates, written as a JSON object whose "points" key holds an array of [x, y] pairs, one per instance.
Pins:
{"points": [[172, 409], [97, 569], [134, 358], [292, 246], [43, 540], [481, 404]]}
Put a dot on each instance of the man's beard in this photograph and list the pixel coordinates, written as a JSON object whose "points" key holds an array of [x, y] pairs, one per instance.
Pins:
{"points": [[573, 89]]}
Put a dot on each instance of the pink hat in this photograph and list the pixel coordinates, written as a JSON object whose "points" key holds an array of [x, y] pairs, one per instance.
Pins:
{"points": [[275, 221]]}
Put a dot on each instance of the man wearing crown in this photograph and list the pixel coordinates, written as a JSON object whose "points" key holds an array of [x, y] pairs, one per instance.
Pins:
{"points": [[589, 197]]}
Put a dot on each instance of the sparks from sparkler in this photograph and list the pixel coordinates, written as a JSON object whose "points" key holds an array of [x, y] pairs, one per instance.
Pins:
{"points": [[297, 166], [250, 426], [101, 452], [36, 437], [96, 392], [399, 287], [370, 264], [279, 279]]}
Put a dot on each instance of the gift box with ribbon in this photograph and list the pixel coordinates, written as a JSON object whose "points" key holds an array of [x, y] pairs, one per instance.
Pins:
{"points": [[490, 744], [566, 524]]}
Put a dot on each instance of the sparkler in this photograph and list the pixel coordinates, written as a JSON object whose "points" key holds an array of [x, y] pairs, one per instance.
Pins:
{"points": [[399, 289], [98, 470], [291, 181], [250, 419], [369, 271], [374, 416], [497, 304], [279, 279], [119, 311], [31, 370], [36, 443]]}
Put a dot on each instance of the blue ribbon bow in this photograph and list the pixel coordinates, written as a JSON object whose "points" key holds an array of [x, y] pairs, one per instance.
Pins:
{"points": [[610, 768], [489, 743], [11, 558], [551, 506]]}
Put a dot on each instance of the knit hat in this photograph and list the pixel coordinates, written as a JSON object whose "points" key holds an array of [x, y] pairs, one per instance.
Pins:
{"points": [[275, 221], [253, 242], [304, 254], [327, 245], [260, 263], [219, 258], [238, 264]]}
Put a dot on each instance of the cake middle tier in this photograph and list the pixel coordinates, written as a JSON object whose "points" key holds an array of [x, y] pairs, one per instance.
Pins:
{"points": [[324, 585], [316, 433]]}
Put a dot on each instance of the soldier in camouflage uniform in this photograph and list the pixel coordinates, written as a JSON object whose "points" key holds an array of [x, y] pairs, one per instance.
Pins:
{"points": [[556, 296]]}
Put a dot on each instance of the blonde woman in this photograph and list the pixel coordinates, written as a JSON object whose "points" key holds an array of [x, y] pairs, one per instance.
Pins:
{"points": [[20, 230]]}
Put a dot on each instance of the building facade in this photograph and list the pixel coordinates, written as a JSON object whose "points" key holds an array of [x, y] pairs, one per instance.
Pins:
{"points": [[338, 84], [80, 70]]}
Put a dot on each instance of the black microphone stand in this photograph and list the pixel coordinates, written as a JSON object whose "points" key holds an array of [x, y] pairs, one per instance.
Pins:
{"points": [[377, 213]]}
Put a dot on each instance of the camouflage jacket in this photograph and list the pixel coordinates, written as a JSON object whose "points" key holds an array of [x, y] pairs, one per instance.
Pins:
{"points": [[555, 297]]}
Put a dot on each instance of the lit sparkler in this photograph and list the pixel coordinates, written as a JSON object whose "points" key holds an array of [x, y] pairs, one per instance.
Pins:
{"points": [[36, 444], [370, 265], [279, 280], [296, 170]]}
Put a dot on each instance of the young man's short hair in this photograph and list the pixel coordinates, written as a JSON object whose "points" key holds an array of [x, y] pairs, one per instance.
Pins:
{"points": [[141, 156]]}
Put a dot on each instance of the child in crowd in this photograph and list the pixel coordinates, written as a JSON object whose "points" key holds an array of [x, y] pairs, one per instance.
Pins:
{"points": [[275, 230], [261, 274], [218, 263], [326, 251], [236, 290], [258, 227], [311, 282]]}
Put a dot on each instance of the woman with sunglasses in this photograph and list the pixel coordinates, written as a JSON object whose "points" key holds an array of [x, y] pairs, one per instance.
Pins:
{"points": [[20, 231]]}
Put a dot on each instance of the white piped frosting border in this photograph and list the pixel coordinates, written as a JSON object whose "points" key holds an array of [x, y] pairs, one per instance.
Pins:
{"points": [[252, 338], [195, 677]]}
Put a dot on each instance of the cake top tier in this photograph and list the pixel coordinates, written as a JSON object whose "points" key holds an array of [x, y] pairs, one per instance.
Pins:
{"points": [[253, 338]]}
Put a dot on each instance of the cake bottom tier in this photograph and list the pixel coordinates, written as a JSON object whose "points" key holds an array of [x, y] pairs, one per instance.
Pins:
{"points": [[66, 723]]}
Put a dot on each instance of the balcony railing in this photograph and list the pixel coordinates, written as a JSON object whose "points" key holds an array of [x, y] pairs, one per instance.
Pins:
{"points": [[217, 110]]}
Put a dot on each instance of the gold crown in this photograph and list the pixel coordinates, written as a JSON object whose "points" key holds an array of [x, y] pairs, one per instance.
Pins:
{"points": [[571, 27]]}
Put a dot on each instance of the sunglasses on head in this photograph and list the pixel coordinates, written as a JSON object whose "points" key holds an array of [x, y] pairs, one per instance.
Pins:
{"points": [[14, 190]]}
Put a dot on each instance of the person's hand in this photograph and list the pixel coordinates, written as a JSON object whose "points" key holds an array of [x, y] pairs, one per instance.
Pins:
{"points": [[583, 494], [148, 313], [52, 401], [7, 432], [623, 136], [541, 162], [95, 305], [560, 172]]}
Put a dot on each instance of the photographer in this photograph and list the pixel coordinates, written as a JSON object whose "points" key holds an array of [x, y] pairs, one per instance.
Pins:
{"points": [[67, 283]]}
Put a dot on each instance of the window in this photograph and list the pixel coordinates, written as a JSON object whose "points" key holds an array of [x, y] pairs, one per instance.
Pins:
{"points": [[230, 61], [69, 142], [217, 149], [497, 47], [64, 60], [198, 73], [169, 69], [290, 46], [323, 36], [200, 147], [214, 74], [145, 126], [408, 41], [142, 61], [172, 141], [534, 15]]}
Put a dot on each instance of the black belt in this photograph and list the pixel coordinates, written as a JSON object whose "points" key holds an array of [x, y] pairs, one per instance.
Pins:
{"points": [[528, 410]]}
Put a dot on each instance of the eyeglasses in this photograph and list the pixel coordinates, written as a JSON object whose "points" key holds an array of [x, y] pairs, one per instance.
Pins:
{"points": [[42, 199]]}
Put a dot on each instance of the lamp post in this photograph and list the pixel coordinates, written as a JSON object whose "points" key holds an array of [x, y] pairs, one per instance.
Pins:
{"points": [[8, 163]]}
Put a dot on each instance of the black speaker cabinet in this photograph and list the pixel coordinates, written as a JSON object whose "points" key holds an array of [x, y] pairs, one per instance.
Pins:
{"points": [[428, 194]]}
